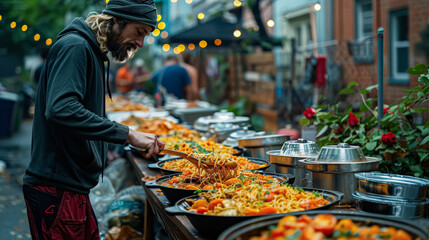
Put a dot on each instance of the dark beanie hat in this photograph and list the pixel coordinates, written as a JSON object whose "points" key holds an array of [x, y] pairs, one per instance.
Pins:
{"points": [[143, 11]]}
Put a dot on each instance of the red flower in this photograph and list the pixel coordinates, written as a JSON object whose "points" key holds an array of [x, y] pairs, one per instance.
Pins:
{"points": [[385, 110], [309, 113], [388, 138], [339, 130], [353, 120]]}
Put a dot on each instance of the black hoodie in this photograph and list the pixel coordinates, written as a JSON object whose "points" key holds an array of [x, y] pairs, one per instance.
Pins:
{"points": [[70, 128]]}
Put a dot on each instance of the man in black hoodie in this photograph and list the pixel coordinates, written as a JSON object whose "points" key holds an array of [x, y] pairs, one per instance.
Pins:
{"points": [[70, 131]]}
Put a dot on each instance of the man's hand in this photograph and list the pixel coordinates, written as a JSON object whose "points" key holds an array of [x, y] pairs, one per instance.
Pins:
{"points": [[147, 141]]}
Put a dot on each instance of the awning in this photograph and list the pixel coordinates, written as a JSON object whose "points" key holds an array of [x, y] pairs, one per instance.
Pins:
{"points": [[217, 28]]}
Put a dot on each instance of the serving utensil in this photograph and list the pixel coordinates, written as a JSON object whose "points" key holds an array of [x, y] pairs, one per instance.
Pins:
{"points": [[206, 165]]}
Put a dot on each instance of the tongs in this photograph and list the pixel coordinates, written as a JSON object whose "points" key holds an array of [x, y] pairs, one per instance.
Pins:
{"points": [[197, 162]]}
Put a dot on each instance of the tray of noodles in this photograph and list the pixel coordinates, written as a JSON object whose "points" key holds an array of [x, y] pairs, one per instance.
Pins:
{"points": [[177, 186], [326, 224], [212, 212], [171, 166], [190, 143]]}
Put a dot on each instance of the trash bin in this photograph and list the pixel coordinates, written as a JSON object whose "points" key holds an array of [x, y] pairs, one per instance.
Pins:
{"points": [[8, 108]]}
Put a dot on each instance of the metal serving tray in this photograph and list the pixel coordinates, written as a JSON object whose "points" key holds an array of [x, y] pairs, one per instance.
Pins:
{"points": [[393, 186], [397, 208]]}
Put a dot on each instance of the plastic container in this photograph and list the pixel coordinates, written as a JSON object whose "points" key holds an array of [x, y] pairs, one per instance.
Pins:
{"points": [[8, 110]]}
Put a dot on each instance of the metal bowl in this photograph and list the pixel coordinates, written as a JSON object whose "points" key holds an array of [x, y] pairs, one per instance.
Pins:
{"points": [[342, 152], [393, 186], [300, 148], [254, 227], [397, 208]]}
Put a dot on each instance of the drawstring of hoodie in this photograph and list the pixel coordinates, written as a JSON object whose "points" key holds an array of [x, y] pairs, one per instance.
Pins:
{"points": [[103, 164]]}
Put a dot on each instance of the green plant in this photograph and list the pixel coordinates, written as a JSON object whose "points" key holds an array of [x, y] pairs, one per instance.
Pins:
{"points": [[400, 142]]}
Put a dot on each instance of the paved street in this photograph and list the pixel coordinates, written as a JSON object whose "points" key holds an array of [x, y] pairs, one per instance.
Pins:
{"points": [[15, 152]]}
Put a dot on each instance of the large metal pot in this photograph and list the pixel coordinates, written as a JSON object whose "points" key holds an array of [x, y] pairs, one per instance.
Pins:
{"points": [[258, 146], [335, 166], [287, 159]]}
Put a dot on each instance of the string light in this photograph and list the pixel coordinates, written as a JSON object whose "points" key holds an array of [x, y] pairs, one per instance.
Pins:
{"points": [[107, 1], [200, 16], [191, 46], [161, 25], [36, 37], [181, 47], [165, 47], [237, 3], [164, 34], [270, 23], [188, 1], [176, 50], [48, 41], [317, 6], [0, 17], [203, 44], [156, 32], [24, 28], [158, 17], [218, 42], [173, 1], [237, 33], [150, 40], [12, 24]]}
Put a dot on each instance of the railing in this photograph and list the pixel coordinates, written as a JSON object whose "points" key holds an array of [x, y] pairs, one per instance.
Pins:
{"points": [[362, 50]]}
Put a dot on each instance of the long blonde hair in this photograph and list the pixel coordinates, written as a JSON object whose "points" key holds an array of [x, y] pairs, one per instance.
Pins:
{"points": [[100, 23]]}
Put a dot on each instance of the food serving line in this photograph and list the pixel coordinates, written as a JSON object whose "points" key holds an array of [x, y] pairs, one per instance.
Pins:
{"points": [[341, 174]]}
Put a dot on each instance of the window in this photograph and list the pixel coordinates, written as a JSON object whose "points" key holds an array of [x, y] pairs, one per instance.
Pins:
{"points": [[364, 19], [399, 46]]}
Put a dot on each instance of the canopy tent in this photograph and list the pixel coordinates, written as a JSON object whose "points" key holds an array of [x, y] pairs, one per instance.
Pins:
{"points": [[217, 28]]}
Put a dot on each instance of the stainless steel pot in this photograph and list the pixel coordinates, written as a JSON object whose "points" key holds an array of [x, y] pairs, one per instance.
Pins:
{"points": [[287, 159], [335, 166], [397, 208], [392, 186], [258, 146]]}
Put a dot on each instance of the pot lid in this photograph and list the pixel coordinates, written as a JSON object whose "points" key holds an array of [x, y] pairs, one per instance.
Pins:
{"points": [[299, 148], [222, 119], [342, 152], [262, 141]]}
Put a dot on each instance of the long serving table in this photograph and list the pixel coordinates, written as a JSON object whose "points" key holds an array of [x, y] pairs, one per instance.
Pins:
{"points": [[176, 226], [179, 226]]}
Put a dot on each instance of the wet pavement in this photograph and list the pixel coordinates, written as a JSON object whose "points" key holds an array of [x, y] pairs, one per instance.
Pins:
{"points": [[15, 153]]}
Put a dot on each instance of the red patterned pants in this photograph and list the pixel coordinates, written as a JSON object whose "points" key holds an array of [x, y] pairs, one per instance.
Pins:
{"points": [[59, 214]]}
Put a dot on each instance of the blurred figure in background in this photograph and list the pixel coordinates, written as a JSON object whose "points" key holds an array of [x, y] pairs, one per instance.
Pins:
{"points": [[193, 75], [43, 52], [174, 78], [140, 76], [124, 78]]}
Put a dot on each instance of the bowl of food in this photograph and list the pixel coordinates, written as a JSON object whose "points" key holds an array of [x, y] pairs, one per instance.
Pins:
{"points": [[179, 185], [211, 212], [325, 224]]}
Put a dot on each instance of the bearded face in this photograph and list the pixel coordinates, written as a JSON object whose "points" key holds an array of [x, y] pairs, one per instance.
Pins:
{"points": [[117, 49]]}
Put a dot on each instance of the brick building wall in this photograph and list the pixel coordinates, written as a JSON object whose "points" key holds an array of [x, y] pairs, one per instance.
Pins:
{"points": [[366, 73]]}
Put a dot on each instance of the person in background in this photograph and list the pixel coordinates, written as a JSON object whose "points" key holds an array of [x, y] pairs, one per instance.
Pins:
{"points": [[193, 74], [70, 129], [43, 52], [124, 78], [139, 76], [173, 78]]}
